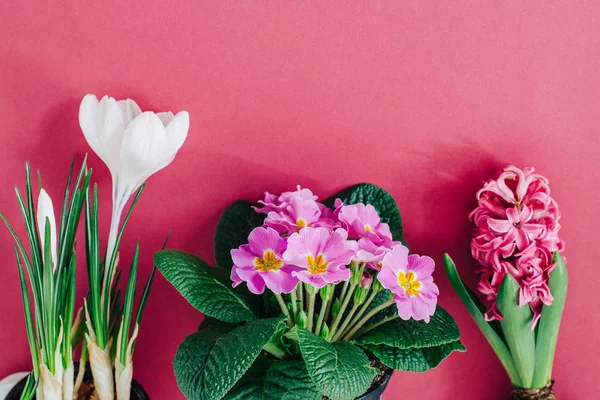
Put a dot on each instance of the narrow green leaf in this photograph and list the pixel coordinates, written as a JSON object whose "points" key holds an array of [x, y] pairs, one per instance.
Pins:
{"points": [[128, 305], [30, 388], [340, 370], [209, 362], [206, 288], [236, 223], [492, 337], [549, 323], [415, 359], [516, 325], [33, 345]]}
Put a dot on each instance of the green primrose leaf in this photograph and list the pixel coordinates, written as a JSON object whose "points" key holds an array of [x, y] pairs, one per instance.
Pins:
{"points": [[210, 362], [270, 379], [340, 370], [415, 359], [383, 202], [401, 334], [206, 288], [233, 229]]}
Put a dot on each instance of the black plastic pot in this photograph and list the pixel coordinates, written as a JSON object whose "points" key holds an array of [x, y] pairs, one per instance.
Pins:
{"points": [[137, 391], [376, 391]]}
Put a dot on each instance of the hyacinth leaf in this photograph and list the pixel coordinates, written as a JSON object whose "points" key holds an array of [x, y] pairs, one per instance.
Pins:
{"points": [[210, 362], [416, 359], [236, 223], [516, 325], [549, 323], [30, 388], [340, 370], [401, 334], [383, 202], [490, 334], [206, 288], [269, 379]]}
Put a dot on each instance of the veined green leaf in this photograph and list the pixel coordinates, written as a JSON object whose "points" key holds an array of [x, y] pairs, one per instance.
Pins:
{"points": [[415, 359], [236, 223], [383, 202], [516, 325], [210, 362], [269, 379], [340, 370], [206, 288], [549, 323], [401, 334], [492, 337]]}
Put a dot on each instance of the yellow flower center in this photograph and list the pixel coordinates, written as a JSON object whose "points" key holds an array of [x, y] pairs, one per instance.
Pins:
{"points": [[368, 228], [301, 222], [269, 262], [409, 283], [316, 265]]}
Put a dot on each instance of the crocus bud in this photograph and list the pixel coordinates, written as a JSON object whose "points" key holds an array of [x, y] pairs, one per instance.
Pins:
{"points": [[360, 295], [327, 292], [324, 331], [310, 289], [376, 286], [302, 319], [335, 309]]}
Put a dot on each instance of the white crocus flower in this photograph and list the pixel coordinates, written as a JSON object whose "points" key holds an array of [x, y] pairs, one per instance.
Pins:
{"points": [[133, 144], [45, 212]]}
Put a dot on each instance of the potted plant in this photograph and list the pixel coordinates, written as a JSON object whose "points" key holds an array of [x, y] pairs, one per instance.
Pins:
{"points": [[134, 145], [308, 300], [523, 278]]}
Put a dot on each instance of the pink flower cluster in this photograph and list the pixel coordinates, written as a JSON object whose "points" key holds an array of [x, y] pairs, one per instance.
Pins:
{"points": [[302, 240], [516, 232]]}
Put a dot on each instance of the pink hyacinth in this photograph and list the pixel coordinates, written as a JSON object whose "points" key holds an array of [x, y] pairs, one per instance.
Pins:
{"points": [[516, 232], [260, 263], [362, 221], [410, 279], [320, 255]]}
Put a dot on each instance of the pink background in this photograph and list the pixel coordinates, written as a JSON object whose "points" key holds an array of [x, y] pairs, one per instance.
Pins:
{"points": [[426, 101]]}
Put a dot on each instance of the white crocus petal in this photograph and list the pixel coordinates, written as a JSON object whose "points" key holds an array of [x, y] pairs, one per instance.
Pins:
{"points": [[165, 117], [45, 211]]}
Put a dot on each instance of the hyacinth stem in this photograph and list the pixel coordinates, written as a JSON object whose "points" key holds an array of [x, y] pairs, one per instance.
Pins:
{"points": [[337, 319], [294, 299], [368, 317], [346, 321], [311, 310], [322, 313], [284, 309], [361, 312]]}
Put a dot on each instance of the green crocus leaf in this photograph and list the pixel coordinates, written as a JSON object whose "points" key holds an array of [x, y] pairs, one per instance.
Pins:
{"points": [[206, 288], [270, 379], [401, 334], [209, 362], [415, 359], [383, 202], [340, 370], [236, 223]]}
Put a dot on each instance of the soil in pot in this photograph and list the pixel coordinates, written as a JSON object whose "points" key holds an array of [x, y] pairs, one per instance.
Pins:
{"points": [[545, 393], [86, 390]]}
